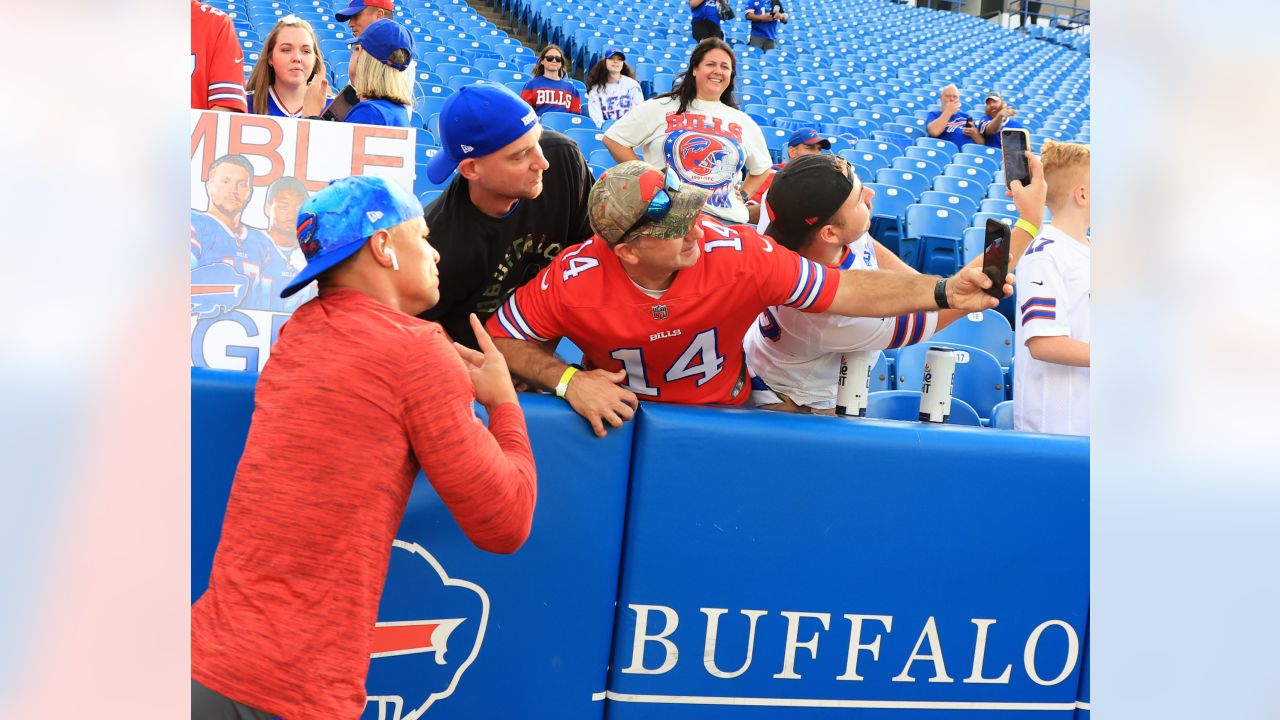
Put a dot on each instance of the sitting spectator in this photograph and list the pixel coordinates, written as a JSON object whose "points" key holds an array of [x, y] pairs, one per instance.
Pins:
{"points": [[655, 306], [612, 89], [549, 90], [519, 198], [764, 16], [706, 19], [804, 141], [363, 13], [822, 210], [698, 131], [289, 79], [379, 58], [217, 73], [1051, 393], [951, 124], [999, 116]]}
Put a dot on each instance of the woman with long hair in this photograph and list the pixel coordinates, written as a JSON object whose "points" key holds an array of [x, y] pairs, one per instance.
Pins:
{"points": [[549, 90], [380, 56], [612, 89], [698, 131], [289, 79]]}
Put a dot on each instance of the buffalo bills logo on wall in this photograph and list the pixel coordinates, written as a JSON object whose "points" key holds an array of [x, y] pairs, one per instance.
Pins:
{"points": [[307, 226], [215, 289], [430, 628], [710, 161]]}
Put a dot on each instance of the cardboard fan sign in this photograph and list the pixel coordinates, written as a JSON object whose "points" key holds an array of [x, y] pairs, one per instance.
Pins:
{"points": [[249, 176]]}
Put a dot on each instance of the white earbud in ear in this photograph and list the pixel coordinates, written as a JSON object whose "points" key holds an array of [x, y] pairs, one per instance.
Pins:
{"points": [[391, 252]]}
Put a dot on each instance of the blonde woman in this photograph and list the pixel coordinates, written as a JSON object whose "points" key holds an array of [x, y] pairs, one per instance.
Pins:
{"points": [[380, 56], [289, 79]]}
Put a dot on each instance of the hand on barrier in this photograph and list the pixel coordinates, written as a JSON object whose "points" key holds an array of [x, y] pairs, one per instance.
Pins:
{"points": [[965, 290], [488, 369], [1030, 199], [596, 396]]}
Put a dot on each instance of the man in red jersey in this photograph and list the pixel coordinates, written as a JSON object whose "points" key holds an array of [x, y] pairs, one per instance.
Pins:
{"points": [[217, 64], [659, 299], [358, 396]]}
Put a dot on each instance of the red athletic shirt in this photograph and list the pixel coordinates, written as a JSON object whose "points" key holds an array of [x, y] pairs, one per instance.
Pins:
{"points": [[685, 347], [354, 398], [217, 64]]}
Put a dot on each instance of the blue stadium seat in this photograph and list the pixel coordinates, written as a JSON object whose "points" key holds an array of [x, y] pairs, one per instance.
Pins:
{"points": [[588, 138], [959, 203], [960, 186], [427, 197], [987, 151], [897, 138], [979, 219], [888, 214], [563, 121], [945, 146], [924, 167], [870, 160], [1002, 206], [905, 405], [1002, 415], [968, 172], [602, 158], [998, 191], [988, 330], [933, 155], [979, 377], [932, 239], [978, 161], [914, 182], [775, 139]]}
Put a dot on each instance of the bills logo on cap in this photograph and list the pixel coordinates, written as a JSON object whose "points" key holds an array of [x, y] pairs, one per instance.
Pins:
{"points": [[702, 159], [307, 226], [430, 629]]}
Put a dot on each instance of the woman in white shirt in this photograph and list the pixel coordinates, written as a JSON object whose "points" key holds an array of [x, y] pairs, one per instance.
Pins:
{"points": [[698, 131], [612, 89]]}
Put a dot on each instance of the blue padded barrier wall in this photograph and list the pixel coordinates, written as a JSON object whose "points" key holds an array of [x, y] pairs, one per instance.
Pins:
{"points": [[546, 611], [922, 548]]}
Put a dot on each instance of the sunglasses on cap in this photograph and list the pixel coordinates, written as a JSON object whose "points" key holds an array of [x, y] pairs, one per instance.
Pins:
{"points": [[553, 58], [659, 207]]}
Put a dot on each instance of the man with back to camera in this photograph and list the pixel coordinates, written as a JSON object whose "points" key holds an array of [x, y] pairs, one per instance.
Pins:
{"points": [[357, 397], [520, 197], [1053, 333], [949, 123], [660, 297], [805, 141], [999, 115], [218, 235], [794, 357]]}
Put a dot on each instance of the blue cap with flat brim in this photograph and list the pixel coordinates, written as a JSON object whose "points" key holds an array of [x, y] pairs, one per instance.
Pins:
{"points": [[610, 52], [358, 5], [384, 37], [335, 222], [475, 121]]}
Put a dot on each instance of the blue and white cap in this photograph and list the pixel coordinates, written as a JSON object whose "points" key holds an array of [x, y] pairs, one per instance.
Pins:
{"points": [[475, 121], [335, 222]]}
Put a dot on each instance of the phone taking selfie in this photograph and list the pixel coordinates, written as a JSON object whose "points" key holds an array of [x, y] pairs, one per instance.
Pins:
{"points": [[1013, 144], [995, 257]]}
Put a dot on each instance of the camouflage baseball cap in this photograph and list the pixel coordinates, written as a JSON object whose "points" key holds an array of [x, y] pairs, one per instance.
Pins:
{"points": [[623, 194]]}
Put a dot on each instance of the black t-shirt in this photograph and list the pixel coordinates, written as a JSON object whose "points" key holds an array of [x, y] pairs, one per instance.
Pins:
{"points": [[484, 259]]}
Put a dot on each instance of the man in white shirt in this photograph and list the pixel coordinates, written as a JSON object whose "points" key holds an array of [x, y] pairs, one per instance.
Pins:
{"points": [[1051, 385]]}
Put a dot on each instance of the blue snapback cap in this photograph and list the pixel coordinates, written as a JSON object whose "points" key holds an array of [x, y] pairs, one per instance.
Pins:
{"points": [[475, 121], [335, 222], [808, 136], [384, 37], [610, 52]]}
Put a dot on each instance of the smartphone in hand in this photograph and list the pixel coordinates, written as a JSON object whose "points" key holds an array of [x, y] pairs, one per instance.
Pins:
{"points": [[341, 104], [995, 257], [1013, 144]]}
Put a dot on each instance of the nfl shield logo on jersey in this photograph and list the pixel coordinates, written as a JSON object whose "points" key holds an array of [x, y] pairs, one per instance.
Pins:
{"points": [[659, 312]]}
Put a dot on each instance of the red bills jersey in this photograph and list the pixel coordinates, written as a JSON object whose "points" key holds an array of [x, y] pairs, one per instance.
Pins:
{"points": [[217, 64], [685, 347]]}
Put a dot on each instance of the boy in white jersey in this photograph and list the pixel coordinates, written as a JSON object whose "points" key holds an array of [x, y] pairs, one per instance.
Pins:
{"points": [[819, 208], [1051, 387]]}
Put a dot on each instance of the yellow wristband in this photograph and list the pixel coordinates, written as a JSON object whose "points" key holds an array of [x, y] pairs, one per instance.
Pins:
{"points": [[563, 386], [1027, 227]]}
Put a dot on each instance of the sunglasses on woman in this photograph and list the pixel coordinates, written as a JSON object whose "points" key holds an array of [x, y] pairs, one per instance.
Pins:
{"points": [[553, 58]]}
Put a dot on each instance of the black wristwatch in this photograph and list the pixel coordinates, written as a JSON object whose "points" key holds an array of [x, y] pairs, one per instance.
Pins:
{"points": [[940, 294]]}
